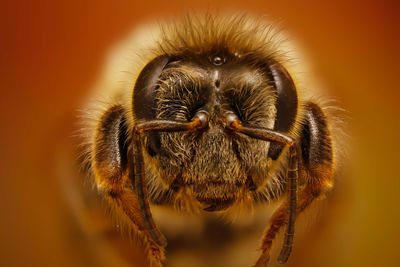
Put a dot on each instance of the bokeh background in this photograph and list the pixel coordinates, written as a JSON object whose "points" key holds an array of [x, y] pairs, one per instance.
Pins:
{"points": [[51, 52]]}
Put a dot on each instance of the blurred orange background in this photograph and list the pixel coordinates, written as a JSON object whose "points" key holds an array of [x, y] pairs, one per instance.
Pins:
{"points": [[53, 51]]}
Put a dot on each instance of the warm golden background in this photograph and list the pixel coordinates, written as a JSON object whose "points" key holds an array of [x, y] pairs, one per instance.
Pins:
{"points": [[52, 51]]}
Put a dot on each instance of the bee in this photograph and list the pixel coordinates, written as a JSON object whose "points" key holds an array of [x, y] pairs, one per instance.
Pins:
{"points": [[209, 117]]}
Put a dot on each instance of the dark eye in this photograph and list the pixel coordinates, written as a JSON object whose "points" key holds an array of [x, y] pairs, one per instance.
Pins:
{"points": [[143, 94], [286, 97]]}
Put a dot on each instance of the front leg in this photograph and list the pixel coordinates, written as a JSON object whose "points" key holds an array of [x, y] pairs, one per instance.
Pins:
{"points": [[119, 168], [113, 168], [316, 167]]}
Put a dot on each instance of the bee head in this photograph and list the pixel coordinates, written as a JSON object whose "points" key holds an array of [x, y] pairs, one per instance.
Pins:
{"points": [[213, 161]]}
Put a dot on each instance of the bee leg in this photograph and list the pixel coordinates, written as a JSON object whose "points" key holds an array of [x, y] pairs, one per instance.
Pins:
{"points": [[112, 166], [315, 168], [278, 220], [285, 215]]}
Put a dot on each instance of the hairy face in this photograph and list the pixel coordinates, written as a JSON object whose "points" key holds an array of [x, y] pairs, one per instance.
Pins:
{"points": [[214, 163]]}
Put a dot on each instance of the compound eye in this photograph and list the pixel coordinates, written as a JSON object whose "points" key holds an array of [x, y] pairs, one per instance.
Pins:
{"points": [[200, 120], [143, 94], [286, 97], [286, 107], [144, 99]]}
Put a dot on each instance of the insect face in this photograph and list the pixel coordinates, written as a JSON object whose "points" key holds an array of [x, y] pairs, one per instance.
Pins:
{"points": [[216, 165]]}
